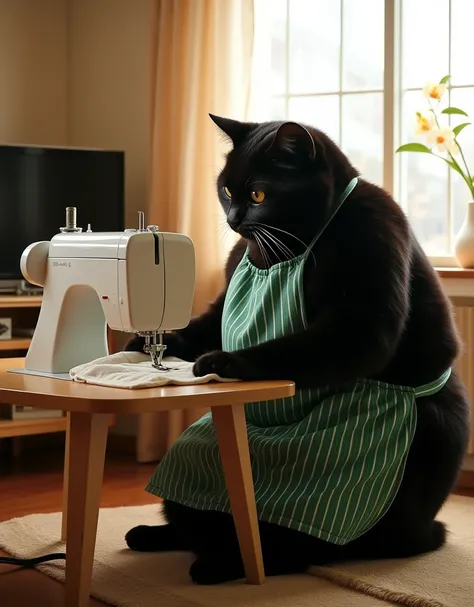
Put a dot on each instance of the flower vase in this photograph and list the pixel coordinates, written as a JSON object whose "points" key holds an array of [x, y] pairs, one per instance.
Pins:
{"points": [[464, 243]]}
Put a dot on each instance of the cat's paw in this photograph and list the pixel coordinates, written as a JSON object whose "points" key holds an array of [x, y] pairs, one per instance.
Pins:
{"points": [[210, 571], [224, 364], [158, 538]]}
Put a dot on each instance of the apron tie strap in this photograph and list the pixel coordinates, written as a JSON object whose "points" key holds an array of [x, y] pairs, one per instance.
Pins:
{"points": [[433, 386]]}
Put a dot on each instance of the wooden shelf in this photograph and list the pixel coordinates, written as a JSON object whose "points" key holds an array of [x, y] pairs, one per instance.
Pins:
{"points": [[20, 301], [17, 343], [455, 272], [13, 305], [10, 428]]}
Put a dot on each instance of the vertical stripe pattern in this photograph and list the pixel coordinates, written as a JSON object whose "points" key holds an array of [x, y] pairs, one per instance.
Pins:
{"points": [[325, 462]]}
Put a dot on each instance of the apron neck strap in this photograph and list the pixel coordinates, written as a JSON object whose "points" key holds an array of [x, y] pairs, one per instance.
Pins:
{"points": [[350, 186]]}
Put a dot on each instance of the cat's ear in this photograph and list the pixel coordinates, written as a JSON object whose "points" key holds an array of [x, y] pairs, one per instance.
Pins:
{"points": [[235, 130], [294, 139]]}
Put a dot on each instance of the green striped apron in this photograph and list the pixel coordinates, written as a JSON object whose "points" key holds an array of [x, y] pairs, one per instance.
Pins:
{"points": [[325, 462]]}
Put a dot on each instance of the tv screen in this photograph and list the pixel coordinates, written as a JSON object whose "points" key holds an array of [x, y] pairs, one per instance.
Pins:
{"points": [[38, 183]]}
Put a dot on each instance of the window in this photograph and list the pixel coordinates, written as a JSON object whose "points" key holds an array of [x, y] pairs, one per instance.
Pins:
{"points": [[344, 65]]}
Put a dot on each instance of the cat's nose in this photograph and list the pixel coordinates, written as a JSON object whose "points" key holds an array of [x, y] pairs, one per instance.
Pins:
{"points": [[234, 218]]}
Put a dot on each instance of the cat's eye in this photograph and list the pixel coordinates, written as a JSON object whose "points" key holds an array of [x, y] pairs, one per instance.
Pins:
{"points": [[227, 192], [258, 196]]}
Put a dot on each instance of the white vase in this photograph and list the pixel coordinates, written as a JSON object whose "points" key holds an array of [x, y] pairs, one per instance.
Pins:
{"points": [[464, 243]]}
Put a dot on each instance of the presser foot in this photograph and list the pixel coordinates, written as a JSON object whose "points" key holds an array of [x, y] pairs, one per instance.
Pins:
{"points": [[156, 360], [156, 351]]}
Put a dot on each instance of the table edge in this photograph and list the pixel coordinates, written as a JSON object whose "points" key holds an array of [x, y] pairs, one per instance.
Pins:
{"points": [[221, 394]]}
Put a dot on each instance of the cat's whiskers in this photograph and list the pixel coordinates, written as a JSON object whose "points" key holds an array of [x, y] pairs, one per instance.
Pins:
{"points": [[265, 225], [223, 226], [255, 236], [306, 246], [265, 259], [286, 251], [268, 260], [224, 230], [268, 244], [270, 241]]}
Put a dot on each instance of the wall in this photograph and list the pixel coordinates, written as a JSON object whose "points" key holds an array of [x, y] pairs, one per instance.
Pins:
{"points": [[77, 72], [109, 85], [33, 71]]}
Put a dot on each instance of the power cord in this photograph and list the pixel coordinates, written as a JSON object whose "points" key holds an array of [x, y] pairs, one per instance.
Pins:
{"points": [[7, 560]]}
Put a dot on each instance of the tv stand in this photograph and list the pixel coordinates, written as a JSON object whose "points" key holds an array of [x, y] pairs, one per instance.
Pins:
{"points": [[23, 310], [25, 289], [19, 288]]}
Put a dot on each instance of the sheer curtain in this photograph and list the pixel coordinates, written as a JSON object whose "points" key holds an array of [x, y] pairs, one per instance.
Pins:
{"points": [[201, 64]]}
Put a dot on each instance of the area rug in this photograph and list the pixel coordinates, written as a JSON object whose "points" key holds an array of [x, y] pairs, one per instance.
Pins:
{"points": [[127, 579]]}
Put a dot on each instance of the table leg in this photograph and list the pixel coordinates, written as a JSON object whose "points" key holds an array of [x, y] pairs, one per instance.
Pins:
{"points": [[65, 479], [231, 431], [86, 449]]}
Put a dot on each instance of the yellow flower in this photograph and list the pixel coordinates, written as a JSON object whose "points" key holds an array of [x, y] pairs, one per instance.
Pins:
{"points": [[443, 140], [434, 90], [424, 124]]}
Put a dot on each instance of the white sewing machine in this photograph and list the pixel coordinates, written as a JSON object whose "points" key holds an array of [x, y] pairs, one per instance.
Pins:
{"points": [[137, 281]]}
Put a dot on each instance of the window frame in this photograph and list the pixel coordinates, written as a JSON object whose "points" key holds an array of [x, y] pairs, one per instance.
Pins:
{"points": [[392, 93], [392, 123]]}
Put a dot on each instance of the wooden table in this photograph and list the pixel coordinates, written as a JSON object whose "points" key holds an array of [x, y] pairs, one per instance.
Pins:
{"points": [[90, 408]]}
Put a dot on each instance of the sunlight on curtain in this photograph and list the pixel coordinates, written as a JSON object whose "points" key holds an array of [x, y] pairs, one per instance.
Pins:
{"points": [[201, 64]]}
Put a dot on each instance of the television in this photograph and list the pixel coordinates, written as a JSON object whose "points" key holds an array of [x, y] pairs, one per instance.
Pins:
{"points": [[38, 183]]}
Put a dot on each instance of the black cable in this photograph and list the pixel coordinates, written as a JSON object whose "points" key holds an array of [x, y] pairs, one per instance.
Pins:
{"points": [[7, 560]]}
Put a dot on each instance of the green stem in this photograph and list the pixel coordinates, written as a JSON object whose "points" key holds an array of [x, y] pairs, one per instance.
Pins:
{"points": [[464, 160], [468, 179], [469, 185]]}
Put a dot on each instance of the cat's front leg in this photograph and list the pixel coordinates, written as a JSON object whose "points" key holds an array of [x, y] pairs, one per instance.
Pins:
{"points": [[227, 365]]}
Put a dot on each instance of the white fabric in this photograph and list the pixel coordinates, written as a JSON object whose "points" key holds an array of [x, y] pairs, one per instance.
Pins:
{"points": [[133, 370]]}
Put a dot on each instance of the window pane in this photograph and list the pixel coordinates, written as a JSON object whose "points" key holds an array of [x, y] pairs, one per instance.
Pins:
{"points": [[321, 112], [277, 110], [424, 185], [462, 19], [363, 59], [277, 16], [464, 99], [362, 133], [425, 41], [315, 34]]}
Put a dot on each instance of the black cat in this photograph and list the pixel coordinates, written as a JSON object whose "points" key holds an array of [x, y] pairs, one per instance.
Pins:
{"points": [[375, 309]]}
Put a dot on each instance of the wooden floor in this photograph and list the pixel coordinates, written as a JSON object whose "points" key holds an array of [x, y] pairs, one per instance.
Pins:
{"points": [[34, 484]]}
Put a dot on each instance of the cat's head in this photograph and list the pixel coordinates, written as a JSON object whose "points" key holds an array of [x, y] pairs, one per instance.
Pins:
{"points": [[280, 179]]}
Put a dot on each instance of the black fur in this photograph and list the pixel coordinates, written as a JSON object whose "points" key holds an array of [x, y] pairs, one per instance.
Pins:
{"points": [[375, 308]]}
